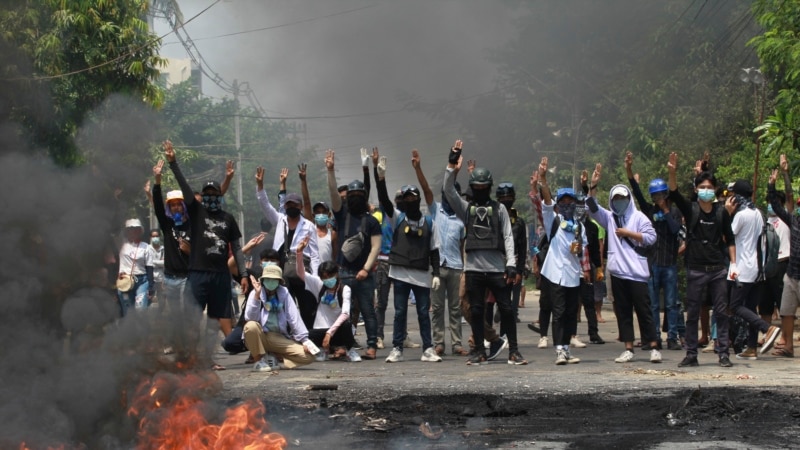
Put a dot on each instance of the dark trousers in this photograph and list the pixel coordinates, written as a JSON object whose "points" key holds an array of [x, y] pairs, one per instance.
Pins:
{"points": [[564, 301], [718, 291], [476, 284], [382, 285], [587, 299], [545, 305], [631, 296], [342, 338], [744, 299]]}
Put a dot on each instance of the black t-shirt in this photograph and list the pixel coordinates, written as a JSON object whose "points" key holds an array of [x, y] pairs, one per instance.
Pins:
{"points": [[373, 229], [176, 263], [704, 242], [592, 241], [211, 234]]}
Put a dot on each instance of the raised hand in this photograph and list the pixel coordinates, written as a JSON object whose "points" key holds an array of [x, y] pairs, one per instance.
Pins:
{"points": [[584, 177], [598, 168], [382, 167], [147, 188], [329, 159], [458, 145], [784, 164], [158, 168], [301, 171], [283, 175], [375, 156], [628, 160], [260, 176], [543, 170], [773, 176], [364, 157], [455, 153], [415, 159], [471, 165], [169, 152], [672, 163], [230, 169], [256, 287], [302, 244]]}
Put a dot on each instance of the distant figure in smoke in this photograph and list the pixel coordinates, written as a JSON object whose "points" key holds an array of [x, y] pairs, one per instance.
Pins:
{"points": [[136, 264], [212, 232]]}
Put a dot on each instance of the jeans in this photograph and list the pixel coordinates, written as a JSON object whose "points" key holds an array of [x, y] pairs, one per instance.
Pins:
{"points": [[717, 289], [382, 285], [175, 293], [423, 296], [476, 284], [447, 296], [666, 278], [136, 297], [361, 292], [587, 299], [515, 293]]}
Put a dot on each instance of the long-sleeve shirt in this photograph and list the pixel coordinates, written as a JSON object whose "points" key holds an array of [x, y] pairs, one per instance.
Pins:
{"points": [[304, 228], [451, 232], [491, 261], [623, 261], [176, 263], [290, 325], [667, 227], [708, 243]]}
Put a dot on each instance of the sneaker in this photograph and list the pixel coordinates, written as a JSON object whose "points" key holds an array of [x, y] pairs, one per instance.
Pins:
{"points": [[272, 361], [535, 328], [496, 347], [626, 356], [749, 353], [261, 366], [379, 344], [396, 355], [576, 342], [516, 359], [689, 361], [725, 361], [543, 342], [769, 338], [429, 355], [477, 358], [571, 359], [710, 347], [561, 358], [322, 356], [408, 343], [596, 339], [353, 355], [655, 356], [357, 345], [672, 344]]}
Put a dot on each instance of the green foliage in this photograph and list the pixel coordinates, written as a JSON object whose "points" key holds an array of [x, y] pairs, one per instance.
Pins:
{"points": [[66, 58]]}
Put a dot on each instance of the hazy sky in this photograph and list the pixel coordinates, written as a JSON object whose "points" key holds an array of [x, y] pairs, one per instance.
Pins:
{"points": [[354, 61]]}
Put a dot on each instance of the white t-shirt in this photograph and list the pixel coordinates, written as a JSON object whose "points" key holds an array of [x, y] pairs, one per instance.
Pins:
{"points": [[327, 314], [784, 233], [325, 247], [747, 226], [136, 256]]}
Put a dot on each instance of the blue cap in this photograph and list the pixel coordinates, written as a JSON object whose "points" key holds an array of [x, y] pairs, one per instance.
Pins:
{"points": [[565, 191], [657, 185]]}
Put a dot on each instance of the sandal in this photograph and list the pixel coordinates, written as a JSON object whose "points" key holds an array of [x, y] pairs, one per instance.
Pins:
{"points": [[783, 353]]}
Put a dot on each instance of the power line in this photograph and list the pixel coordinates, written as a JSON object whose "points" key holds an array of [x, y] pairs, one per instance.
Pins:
{"points": [[114, 60]]}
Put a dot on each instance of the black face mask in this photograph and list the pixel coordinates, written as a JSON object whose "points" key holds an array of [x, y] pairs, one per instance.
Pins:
{"points": [[412, 209], [356, 204], [446, 207], [400, 205], [480, 196], [293, 212], [508, 204]]}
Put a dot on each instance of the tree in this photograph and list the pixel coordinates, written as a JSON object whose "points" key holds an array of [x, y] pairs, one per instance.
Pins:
{"points": [[61, 60]]}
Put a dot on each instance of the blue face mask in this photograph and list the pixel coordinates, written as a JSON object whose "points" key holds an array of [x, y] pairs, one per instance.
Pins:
{"points": [[620, 205], [270, 284], [330, 282], [212, 203], [770, 211], [266, 264], [321, 219], [706, 195]]}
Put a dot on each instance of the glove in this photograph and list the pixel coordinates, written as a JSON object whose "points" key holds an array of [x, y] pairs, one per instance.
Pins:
{"points": [[511, 273], [364, 158], [382, 167], [435, 283], [455, 153]]}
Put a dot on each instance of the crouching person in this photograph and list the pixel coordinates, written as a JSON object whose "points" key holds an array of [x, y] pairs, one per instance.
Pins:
{"points": [[332, 315], [270, 314]]}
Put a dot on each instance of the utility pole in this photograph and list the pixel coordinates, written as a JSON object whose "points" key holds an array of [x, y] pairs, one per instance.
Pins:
{"points": [[239, 154]]}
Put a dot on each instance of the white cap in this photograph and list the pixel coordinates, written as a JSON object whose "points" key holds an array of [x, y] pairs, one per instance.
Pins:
{"points": [[174, 195], [618, 190], [133, 223]]}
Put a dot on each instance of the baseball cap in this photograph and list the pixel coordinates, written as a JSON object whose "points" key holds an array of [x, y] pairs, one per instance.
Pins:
{"points": [[174, 195], [294, 198], [743, 188], [133, 223], [212, 185], [618, 190], [322, 204]]}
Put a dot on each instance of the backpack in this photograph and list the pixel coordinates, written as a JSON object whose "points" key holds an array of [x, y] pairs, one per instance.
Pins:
{"points": [[768, 263]]}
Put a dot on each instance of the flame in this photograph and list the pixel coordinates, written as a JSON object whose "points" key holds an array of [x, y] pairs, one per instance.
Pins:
{"points": [[172, 414]]}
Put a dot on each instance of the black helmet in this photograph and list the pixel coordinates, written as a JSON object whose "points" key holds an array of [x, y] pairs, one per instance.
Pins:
{"points": [[480, 177], [505, 189], [409, 189], [355, 186]]}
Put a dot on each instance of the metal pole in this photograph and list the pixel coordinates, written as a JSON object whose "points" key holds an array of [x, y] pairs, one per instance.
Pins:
{"points": [[239, 153], [760, 108]]}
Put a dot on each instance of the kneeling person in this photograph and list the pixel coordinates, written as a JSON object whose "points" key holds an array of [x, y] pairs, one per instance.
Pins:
{"points": [[270, 314]]}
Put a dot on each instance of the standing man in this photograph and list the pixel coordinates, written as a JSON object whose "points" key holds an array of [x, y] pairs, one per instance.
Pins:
{"points": [[490, 255], [213, 231], [359, 242], [507, 195]]}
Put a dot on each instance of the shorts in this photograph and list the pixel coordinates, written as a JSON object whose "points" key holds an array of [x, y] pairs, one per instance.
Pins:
{"points": [[790, 299], [212, 291]]}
